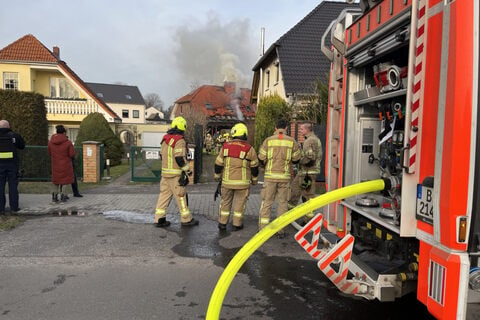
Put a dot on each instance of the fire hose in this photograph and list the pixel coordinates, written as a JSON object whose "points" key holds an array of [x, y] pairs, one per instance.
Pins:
{"points": [[223, 283]]}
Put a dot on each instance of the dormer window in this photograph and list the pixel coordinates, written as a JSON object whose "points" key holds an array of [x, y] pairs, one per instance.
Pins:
{"points": [[129, 97]]}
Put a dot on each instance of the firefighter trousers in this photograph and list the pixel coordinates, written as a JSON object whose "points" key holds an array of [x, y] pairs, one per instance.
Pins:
{"points": [[270, 191], [237, 197], [169, 187], [298, 191]]}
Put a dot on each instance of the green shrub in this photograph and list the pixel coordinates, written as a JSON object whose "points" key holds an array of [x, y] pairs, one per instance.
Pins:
{"points": [[27, 115], [95, 128], [269, 111]]}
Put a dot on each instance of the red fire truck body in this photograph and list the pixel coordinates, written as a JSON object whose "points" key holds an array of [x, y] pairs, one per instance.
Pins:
{"points": [[403, 105]]}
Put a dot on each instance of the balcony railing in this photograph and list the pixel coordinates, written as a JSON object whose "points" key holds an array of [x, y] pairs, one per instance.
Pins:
{"points": [[77, 106]]}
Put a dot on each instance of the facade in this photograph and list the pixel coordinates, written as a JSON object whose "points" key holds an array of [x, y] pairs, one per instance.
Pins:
{"points": [[294, 63], [217, 108], [27, 65], [153, 114], [124, 100]]}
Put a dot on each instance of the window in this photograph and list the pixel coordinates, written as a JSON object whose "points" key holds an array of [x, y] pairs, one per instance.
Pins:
{"points": [[124, 113], [129, 97], [10, 81], [61, 88], [277, 75], [268, 79], [136, 114]]}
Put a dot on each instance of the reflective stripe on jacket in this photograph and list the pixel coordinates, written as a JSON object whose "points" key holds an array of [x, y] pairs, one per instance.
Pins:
{"points": [[173, 145], [278, 152], [312, 155], [237, 158]]}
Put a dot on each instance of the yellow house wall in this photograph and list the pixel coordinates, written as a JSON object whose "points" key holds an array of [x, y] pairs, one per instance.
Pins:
{"points": [[275, 87], [24, 76], [118, 107]]}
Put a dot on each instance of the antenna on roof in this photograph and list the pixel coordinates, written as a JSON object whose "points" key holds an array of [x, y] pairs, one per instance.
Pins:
{"points": [[262, 40]]}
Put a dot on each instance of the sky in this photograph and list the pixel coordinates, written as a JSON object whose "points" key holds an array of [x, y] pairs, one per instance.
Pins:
{"points": [[165, 47]]}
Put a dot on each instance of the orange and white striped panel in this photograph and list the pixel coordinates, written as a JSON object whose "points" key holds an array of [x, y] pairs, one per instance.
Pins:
{"points": [[341, 253], [417, 85], [314, 226]]}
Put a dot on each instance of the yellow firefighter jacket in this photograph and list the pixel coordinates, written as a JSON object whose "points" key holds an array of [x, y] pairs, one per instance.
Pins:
{"points": [[172, 146], [312, 155], [240, 164], [278, 152]]}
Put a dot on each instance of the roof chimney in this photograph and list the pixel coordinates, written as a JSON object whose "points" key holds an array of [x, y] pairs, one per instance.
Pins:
{"points": [[56, 52], [229, 87]]}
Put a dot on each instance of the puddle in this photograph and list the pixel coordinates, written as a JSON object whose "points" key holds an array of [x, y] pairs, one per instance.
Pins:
{"points": [[128, 216], [61, 213]]}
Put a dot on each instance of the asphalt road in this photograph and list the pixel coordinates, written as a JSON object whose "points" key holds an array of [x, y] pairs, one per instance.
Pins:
{"points": [[69, 267], [96, 267]]}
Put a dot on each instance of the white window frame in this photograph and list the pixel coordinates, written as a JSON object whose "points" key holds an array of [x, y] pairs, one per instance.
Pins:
{"points": [[62, 88], [10, 81], [135, 114]]}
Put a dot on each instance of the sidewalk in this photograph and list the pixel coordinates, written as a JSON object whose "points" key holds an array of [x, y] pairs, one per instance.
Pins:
{"points": [[200, 197]]}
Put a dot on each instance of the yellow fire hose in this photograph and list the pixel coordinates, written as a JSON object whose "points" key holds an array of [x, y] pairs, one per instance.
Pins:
{"points": [[223, 283]]}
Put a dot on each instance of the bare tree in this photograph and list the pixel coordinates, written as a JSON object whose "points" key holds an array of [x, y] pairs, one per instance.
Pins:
{"points": [[193, 117], [153, 100]]}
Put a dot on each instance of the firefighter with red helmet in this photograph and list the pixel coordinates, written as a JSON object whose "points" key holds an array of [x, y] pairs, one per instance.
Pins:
{"points": [[309, 167], [277, 153], [236, 166], [175, 171]]}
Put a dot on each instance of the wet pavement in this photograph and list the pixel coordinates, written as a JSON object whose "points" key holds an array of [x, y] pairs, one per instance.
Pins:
{"points": [[99, 257]]}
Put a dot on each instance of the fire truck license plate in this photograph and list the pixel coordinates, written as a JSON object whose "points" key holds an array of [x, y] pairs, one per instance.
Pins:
{"points": [[424, 204]]}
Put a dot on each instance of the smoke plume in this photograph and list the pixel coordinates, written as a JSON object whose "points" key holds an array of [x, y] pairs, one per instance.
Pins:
{"points": [[216, 51]]}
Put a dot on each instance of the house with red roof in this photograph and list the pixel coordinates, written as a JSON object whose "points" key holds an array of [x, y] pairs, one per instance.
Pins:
{"points": [[28, 65], [217, 108]]}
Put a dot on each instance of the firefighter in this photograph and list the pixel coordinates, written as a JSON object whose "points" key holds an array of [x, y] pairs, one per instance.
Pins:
{"points": [[277, 154], [208, 143], [236, 166], [175, 172], [219, 142], [309, 167]]}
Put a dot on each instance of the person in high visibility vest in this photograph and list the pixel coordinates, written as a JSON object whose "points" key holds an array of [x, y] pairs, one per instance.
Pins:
{"points": [[236, 166], [277, 153], [10, 142], [303, 184], [175, 172]]}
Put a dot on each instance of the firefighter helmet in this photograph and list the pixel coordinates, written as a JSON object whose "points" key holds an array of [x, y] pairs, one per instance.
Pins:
{"points": [[239, 130], [180, 123]]}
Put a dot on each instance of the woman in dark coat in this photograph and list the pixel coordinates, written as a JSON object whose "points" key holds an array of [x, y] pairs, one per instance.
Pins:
{"points": [[61, 152]]}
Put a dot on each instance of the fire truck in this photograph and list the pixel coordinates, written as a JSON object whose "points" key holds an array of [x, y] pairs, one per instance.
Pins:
{"points": [[403, 106]]}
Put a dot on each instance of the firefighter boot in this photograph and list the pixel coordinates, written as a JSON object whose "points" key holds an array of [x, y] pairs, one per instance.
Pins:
{"points": [[222, 226], [237, 228], [190, 223], [162, 223]]}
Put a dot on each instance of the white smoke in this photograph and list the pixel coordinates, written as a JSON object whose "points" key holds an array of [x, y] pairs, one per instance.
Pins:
{"points": [[216, 51], [235, 103]]}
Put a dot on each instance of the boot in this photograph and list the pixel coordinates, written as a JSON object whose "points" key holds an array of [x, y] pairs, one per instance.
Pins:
{"points": [[238, 228], [222, 226], [190, 223], [63, 197], [54, 197], [162, 223]]}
